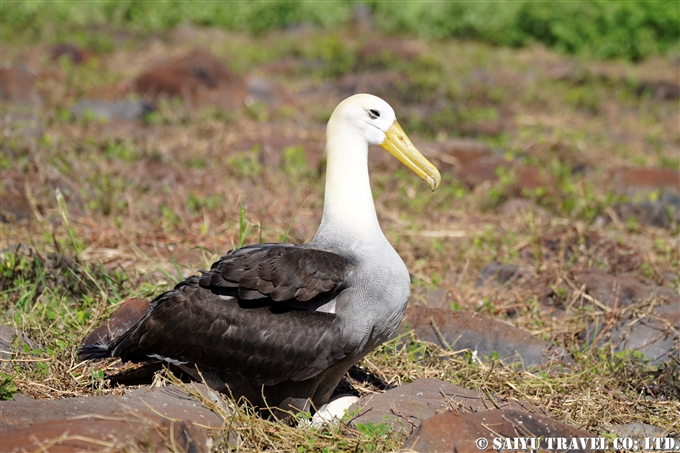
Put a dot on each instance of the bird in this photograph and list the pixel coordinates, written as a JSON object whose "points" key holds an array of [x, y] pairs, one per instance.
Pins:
{"points": [[279, 325]]}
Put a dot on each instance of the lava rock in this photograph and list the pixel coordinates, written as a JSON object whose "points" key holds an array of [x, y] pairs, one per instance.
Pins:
{"points": [[109, 110], [198, 78], [637, 430], [653, 334], [404, 408], [429, 297], [664, 213], [17, 86], [651, 330], [496, 272], [14, 207], [629, 180], [620, 290], [457, 431], [484, 336], [146, 419], [262, 90], [127, 315], [11, 341]]}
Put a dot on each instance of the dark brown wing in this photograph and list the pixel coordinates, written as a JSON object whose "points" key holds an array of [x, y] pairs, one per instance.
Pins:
{"points": [[234, 317], [278, 271], [262, 345]]}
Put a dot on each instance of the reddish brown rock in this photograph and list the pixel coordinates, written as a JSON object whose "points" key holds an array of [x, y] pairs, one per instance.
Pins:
{"points": [[531, 178], [484, 336], [198, 78], [126, 316], [404, 408], [17, 86], [481, 170], [14, 207], [115, 433], [147, 419], [628, 179], [459, 432]]}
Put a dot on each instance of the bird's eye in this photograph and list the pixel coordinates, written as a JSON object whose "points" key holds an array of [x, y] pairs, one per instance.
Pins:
{"points": [[374, 114]]}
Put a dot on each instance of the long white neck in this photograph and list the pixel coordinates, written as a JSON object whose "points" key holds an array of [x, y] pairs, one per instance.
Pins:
{"points": [[348, 212]]}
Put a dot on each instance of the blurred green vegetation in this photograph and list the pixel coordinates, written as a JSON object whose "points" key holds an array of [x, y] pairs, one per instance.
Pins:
{"points": [[602, 29]]}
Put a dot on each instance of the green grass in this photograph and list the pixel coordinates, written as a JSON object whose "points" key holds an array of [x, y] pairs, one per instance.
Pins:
{"points": [[609, 29]]}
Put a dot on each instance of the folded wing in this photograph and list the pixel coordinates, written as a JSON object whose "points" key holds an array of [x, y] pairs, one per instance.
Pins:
{"points": [[245, 317]]}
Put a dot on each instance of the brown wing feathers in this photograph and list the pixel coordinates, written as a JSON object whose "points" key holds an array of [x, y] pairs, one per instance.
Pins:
{"points": [[191, 325], [195, 324], [281, 272]]}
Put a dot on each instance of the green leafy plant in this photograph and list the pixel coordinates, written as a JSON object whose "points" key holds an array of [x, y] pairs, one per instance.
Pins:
{"points": [[7, 386]]}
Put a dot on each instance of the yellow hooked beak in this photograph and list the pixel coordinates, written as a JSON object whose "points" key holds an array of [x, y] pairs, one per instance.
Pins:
{"points": [[400, 146]]}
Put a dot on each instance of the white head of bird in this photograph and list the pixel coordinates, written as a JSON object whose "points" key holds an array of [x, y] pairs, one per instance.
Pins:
{"points": [[367, 114], [357, 122]]}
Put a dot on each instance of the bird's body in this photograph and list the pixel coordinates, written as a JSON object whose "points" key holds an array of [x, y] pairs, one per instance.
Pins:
{"points": [[280, 324]]}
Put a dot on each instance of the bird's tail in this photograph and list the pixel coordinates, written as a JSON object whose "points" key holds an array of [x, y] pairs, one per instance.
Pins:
{"points": [[98, 350]]}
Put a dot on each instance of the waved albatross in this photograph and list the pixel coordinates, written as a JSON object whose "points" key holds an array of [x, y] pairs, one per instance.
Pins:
{"points": [[280, 324]]}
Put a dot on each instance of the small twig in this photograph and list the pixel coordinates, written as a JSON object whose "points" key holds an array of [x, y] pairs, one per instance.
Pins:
{"points": [[612, 215], [612, 314]]}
